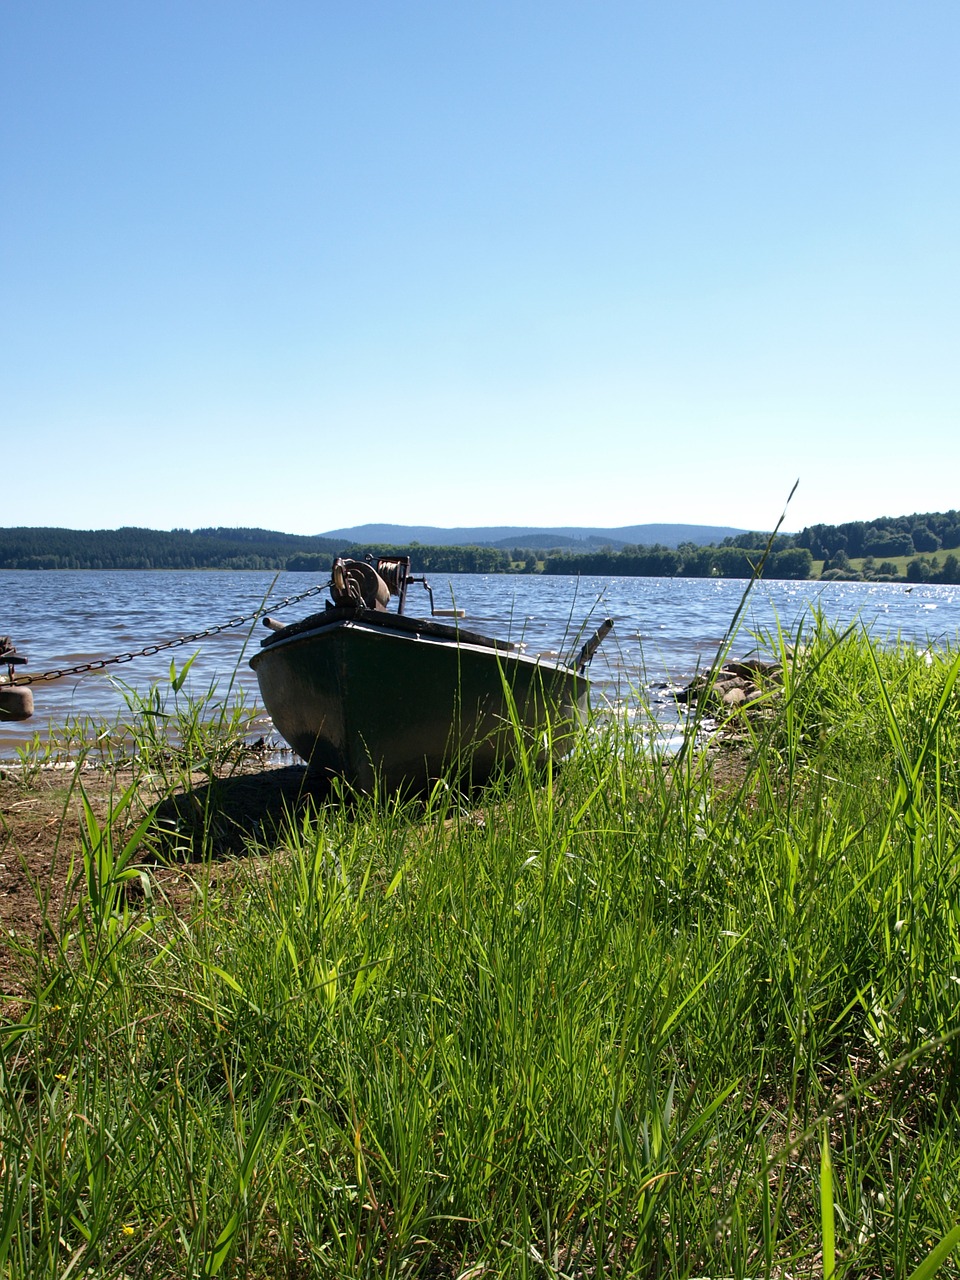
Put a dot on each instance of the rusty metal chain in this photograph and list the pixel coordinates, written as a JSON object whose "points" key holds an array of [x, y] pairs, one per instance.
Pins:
{"points": [[98, 664]]}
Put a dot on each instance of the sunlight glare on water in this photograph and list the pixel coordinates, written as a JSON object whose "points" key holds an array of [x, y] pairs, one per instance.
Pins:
{"points": [[665, 628]]}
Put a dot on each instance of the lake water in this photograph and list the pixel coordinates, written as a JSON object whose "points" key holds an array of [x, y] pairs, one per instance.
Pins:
{"points": [[666, 628]]}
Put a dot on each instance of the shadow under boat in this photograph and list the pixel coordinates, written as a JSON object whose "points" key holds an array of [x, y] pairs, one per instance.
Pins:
{"points": [[383, 700], [220, 818]]}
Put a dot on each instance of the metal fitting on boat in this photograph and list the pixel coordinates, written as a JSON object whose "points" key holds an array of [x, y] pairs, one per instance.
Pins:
{"points": [[356, 583]]}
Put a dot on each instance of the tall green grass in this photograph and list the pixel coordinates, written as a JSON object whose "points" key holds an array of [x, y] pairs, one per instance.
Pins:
{"points": [[162, 731], [654, 1018]]}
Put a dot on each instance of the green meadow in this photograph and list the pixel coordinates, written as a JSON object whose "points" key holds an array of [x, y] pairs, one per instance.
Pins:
{"points": [[636, 1016]]}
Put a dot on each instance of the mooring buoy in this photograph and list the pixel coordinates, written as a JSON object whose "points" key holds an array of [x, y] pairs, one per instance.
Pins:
{"points": [[16, 702]]}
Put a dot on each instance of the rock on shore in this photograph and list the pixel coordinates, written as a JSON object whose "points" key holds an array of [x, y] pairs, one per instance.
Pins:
{"points": [[735, 684]]}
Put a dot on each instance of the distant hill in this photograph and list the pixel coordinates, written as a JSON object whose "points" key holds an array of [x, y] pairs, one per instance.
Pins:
{"points": [[923, 547], [509, 536]]}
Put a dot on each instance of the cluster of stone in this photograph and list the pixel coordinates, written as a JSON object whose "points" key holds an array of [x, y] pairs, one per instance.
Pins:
{"points": [[736, 684]]}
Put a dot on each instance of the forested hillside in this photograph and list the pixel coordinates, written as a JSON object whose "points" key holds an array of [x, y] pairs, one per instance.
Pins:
{"points": [[884, 537], [918, 547], [133, 548], [886, 546]]}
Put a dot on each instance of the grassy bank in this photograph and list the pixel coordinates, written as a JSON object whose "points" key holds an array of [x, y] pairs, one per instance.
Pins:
{"points": [[638, 1019], [895, 567]]}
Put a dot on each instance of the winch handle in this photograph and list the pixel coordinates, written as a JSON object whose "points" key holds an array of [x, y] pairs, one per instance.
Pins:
{"points": [[434, 611]]}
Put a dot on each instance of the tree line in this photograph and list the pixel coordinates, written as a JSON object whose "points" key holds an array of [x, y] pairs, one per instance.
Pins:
{"points": [[687, 561], [920, 538], [134, 548], [886, 536], [792, 556]]}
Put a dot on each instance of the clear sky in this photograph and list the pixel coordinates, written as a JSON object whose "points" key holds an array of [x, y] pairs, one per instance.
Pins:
{"points": [[313, 263]]}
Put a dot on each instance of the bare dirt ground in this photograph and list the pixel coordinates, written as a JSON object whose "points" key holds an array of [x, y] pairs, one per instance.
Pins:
{"points": [[41, 820]]}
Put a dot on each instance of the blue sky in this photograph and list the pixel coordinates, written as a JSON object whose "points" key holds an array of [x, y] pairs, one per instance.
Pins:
{"points": [[308, 265]]}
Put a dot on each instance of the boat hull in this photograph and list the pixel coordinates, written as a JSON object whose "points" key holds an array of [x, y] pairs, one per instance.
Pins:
{"points": [[400, 705]]}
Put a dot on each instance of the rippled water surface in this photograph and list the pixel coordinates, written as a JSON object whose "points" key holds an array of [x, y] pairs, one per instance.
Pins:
{"points": [[665, 628]]}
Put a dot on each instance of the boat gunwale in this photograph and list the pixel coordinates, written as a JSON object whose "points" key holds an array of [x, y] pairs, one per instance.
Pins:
{"points": [[452, 637], [386, 621]]}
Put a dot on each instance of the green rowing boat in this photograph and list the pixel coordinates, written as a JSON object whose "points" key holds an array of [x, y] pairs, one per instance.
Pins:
{"points": [[383, 700]]}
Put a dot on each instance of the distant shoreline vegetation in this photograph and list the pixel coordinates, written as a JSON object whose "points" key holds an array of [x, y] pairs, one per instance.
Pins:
{"points": [[917, 548]]}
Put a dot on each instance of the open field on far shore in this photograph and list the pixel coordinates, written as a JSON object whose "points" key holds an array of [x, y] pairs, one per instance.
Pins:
{"points": [[864, 564], [635, 1017]]}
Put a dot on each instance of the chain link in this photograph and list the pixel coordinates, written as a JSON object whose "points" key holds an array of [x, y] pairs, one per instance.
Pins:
{"points": [[57, 673]]}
